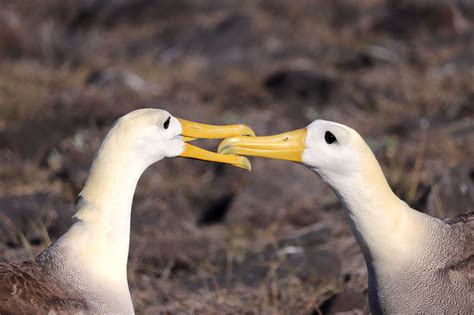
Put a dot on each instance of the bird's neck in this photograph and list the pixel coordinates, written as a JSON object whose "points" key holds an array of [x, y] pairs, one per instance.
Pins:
{"points": [[384, 225], [99, 239]]}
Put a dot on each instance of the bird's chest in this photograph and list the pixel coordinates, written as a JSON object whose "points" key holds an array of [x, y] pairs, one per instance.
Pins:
{"points": [[416, 286], [79, 289]]}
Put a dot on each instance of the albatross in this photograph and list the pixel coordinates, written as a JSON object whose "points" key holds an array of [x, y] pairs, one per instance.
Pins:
{"points": [[417, 264], [85, 270]]}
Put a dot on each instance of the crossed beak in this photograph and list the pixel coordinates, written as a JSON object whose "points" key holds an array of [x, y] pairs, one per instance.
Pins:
{"points": [[193, 130], [285, 146]]}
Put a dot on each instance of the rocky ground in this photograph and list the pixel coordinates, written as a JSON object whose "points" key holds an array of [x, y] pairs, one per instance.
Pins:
{"points": [[210, 238]]}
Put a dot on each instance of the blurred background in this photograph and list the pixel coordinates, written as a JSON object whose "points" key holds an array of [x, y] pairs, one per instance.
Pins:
{"points": [[210, 238]]}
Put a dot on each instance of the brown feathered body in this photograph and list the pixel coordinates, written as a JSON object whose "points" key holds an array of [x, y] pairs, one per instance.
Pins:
{"points": [[27, 288]]}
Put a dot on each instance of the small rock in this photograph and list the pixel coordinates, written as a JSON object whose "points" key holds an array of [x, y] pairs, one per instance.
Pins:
{"points": [[405, 19], [178, 253], [300, 85], [315, 266], [32, 139], [349, 303], [10, 42], [306, 238], [116, 78], [453, 193], [466, 8]]}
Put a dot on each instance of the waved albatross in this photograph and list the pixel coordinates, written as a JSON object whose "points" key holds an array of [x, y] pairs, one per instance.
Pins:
{"points": [[416, 264], [85, 271]]}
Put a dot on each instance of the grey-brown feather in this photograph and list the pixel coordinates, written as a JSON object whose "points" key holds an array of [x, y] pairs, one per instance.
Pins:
{"points": [[54, 283], [438, 280], [464, 263], [26, 289]]}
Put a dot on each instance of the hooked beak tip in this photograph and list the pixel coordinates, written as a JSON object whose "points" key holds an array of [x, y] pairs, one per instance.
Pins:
{"points": [[244, 163]]}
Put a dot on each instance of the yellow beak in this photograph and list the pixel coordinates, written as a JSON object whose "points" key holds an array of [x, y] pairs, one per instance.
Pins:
{"points": [[193, 130], [285, 146]]}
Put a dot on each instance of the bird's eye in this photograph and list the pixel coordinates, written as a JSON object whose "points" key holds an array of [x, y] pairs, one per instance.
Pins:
{"points": [[166, 124], [329, 137]]}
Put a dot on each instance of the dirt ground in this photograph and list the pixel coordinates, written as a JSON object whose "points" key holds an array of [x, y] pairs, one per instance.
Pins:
{"points": [[213, 239]]}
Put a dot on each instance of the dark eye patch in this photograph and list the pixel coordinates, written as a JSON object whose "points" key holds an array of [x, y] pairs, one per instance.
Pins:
{"points": [[329, 137], [166, 124]]}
